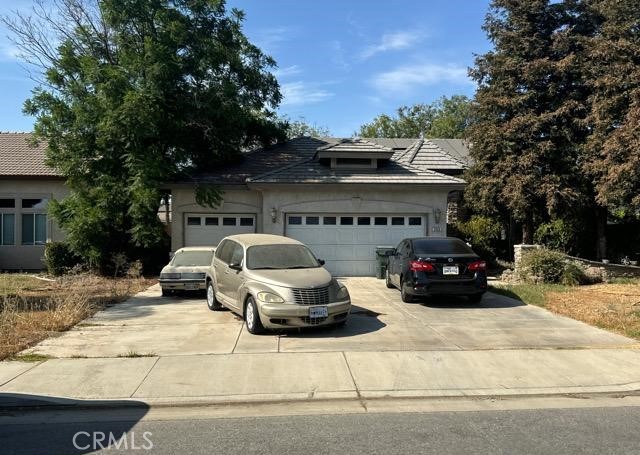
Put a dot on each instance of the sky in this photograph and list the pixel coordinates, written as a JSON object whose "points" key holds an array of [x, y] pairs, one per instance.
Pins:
{"points": [[340, 63]]}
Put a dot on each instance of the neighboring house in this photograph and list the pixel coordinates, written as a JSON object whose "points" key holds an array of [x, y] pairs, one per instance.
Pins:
{"points": [[26, 187], [342, 197]]}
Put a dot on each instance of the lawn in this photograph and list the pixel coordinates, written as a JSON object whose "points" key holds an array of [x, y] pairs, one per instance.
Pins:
{"points": [[612, 306], [32, 309]]}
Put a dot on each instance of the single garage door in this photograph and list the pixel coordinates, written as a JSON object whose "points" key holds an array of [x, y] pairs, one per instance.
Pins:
{"points": [[347, 242], [207, 229]]}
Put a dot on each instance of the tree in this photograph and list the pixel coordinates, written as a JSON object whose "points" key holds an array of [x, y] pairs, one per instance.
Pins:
{"points": [[444, 118], [300, 127], [526, 136], [135, 93]]}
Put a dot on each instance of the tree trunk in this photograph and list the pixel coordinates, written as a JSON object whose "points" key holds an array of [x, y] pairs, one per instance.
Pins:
{"points": [[527, 230], [601, 232]]}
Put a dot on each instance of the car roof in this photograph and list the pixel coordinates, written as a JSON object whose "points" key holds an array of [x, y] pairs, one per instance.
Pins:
{"points": [[196, 248], [436, 239], [248, 240]]}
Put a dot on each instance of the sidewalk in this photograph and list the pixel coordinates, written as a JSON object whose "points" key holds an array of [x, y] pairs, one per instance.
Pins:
{"points": [[242, 378]]}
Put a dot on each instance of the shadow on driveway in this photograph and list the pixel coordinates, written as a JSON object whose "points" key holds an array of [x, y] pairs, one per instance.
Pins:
{"points": [[489, 300], [36, 424]]}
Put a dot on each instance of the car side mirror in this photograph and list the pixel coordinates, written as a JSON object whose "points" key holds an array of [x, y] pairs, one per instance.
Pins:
{"points": [[390, 253], [321, 261], [235, 265]]}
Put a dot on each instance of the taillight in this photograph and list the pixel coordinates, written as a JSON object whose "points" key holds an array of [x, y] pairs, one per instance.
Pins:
{"points": [[477, 266], [420, 266]]}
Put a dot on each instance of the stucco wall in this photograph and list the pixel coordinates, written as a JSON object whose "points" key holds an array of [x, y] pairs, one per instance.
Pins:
{"points": [[314, 199], [29, 257]]}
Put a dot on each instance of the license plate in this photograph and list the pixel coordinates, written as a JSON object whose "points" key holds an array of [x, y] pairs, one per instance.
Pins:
{"points": [[191, 286], [450, 270], [318, 312]]}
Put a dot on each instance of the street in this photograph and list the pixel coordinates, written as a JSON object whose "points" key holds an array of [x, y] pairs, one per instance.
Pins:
{"points": [[609, 429]]}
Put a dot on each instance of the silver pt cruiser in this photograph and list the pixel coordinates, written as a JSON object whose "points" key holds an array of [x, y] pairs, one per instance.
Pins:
{"points": [[274, 282]]}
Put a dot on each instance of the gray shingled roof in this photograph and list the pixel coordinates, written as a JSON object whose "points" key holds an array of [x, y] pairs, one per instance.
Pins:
{"points": [[426, 154], [457, 148], [18, 158], [355, 146], [396, 143], [311, 171]]}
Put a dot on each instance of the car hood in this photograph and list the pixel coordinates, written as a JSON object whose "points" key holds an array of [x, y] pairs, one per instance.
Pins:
{"points": [[185, 269], [293, 278]]}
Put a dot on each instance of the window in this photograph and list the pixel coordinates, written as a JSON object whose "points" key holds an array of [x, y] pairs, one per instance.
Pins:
{"points": [[237, 254], [229, 221], [415, 221], [34, 203], [211, 221], [397, 220], [7, 229], [353, 162], [193, 221], [7, 203], [34, 229], [313, 220], [441, 246], [381, 221], [346, 220], [329, 220], [225, 251], [364, 221], [295, 220], [246, 221], [220, 249]]}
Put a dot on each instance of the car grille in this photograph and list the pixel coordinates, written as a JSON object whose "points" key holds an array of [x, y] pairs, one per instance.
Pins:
{"points": [[318, 296], [312, 321], [193, 276]]}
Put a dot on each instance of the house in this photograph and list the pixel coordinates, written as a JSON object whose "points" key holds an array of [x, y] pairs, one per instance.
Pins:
{"points": [[27, 185], [341, 197]]}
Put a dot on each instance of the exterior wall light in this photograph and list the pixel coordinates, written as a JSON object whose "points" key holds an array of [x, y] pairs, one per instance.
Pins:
{"points": [[437, 215], [274, 214]]}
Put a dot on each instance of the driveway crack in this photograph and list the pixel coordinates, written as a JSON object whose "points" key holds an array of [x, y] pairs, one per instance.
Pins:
{"points": [[355, 385], [145, 377]]}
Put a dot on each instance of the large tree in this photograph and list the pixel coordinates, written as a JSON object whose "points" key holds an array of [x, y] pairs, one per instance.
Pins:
{"points": [[133, 94], [526, 136], [444, 118]]}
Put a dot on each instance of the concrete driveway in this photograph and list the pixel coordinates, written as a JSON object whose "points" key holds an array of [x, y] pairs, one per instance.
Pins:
{"points": [[149, 324]]}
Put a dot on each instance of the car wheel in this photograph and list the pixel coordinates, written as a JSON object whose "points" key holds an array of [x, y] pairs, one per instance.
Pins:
{"points": [[475, 298], [252, 318], [212, 302], [166, 292], [388, 280], [406, 297]]}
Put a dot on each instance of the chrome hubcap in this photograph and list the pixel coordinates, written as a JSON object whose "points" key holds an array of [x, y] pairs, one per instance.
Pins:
{"points": [[210, 295], [250, 315]]}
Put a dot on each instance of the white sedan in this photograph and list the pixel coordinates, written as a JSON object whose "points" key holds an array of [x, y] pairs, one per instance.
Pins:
{"points": [[187, 270]]}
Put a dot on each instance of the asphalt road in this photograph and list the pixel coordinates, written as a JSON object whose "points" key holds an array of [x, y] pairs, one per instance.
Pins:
{"points": [[612, 430]]}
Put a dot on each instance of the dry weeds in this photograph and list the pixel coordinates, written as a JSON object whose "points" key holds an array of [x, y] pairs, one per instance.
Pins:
{"points": [[32, 310]]}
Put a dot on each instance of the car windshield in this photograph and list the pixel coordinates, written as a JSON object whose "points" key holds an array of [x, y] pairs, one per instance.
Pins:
{"points": [[441, 246], [192, 258], [287, 256]]}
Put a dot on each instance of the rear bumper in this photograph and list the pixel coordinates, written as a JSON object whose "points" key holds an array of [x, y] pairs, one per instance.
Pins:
{"points": [[182, 285], [449, 287], [278, 315]]}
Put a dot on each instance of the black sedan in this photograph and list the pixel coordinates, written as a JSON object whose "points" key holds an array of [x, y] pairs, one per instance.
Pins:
{"points": [[427, 266]]}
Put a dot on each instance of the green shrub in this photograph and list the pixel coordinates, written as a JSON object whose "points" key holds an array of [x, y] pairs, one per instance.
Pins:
{"points": [[573, 275], [58, 258], [556, 235], [542, 265], [483, 233]]}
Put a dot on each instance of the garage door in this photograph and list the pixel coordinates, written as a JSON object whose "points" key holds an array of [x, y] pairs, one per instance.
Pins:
{"points": [[207, 229], [347, 242]]}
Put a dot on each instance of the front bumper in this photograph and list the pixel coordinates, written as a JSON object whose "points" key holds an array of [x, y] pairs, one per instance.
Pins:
{"points": [[278, 315], [183, 285]]}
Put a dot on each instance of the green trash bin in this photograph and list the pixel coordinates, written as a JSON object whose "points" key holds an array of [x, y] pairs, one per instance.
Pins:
{"points": [[382, 259]]}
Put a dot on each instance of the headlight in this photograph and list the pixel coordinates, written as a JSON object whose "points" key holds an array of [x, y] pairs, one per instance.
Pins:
{"points": [[170, 276], [343, 293], [269, 297]]}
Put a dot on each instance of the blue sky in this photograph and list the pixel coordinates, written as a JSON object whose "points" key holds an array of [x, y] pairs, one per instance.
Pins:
{"points": [[340, 63]]}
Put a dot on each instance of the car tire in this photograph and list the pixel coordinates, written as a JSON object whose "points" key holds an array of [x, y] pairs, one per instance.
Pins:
{"points": [[475, 298], [406, 297], [212, 302], [166, 292], [388, 280], [252, 318]]}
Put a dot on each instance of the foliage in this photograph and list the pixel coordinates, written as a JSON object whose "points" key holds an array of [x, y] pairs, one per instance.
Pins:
{"points": [[574, 274], [556, 235], [482, 232], [300, 127], [59, 259], [550, 266], [135, 94], [444, 118]]}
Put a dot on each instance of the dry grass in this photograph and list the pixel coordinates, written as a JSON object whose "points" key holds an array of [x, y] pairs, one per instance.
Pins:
{"points": [[32, 310], [612, 306]]}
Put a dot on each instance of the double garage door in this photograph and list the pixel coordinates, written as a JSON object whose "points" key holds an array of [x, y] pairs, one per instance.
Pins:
{"points": [[347, 242], [207, 229]]}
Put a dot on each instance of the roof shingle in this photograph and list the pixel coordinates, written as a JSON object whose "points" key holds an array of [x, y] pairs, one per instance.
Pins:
{"points": [[18, 158]]}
